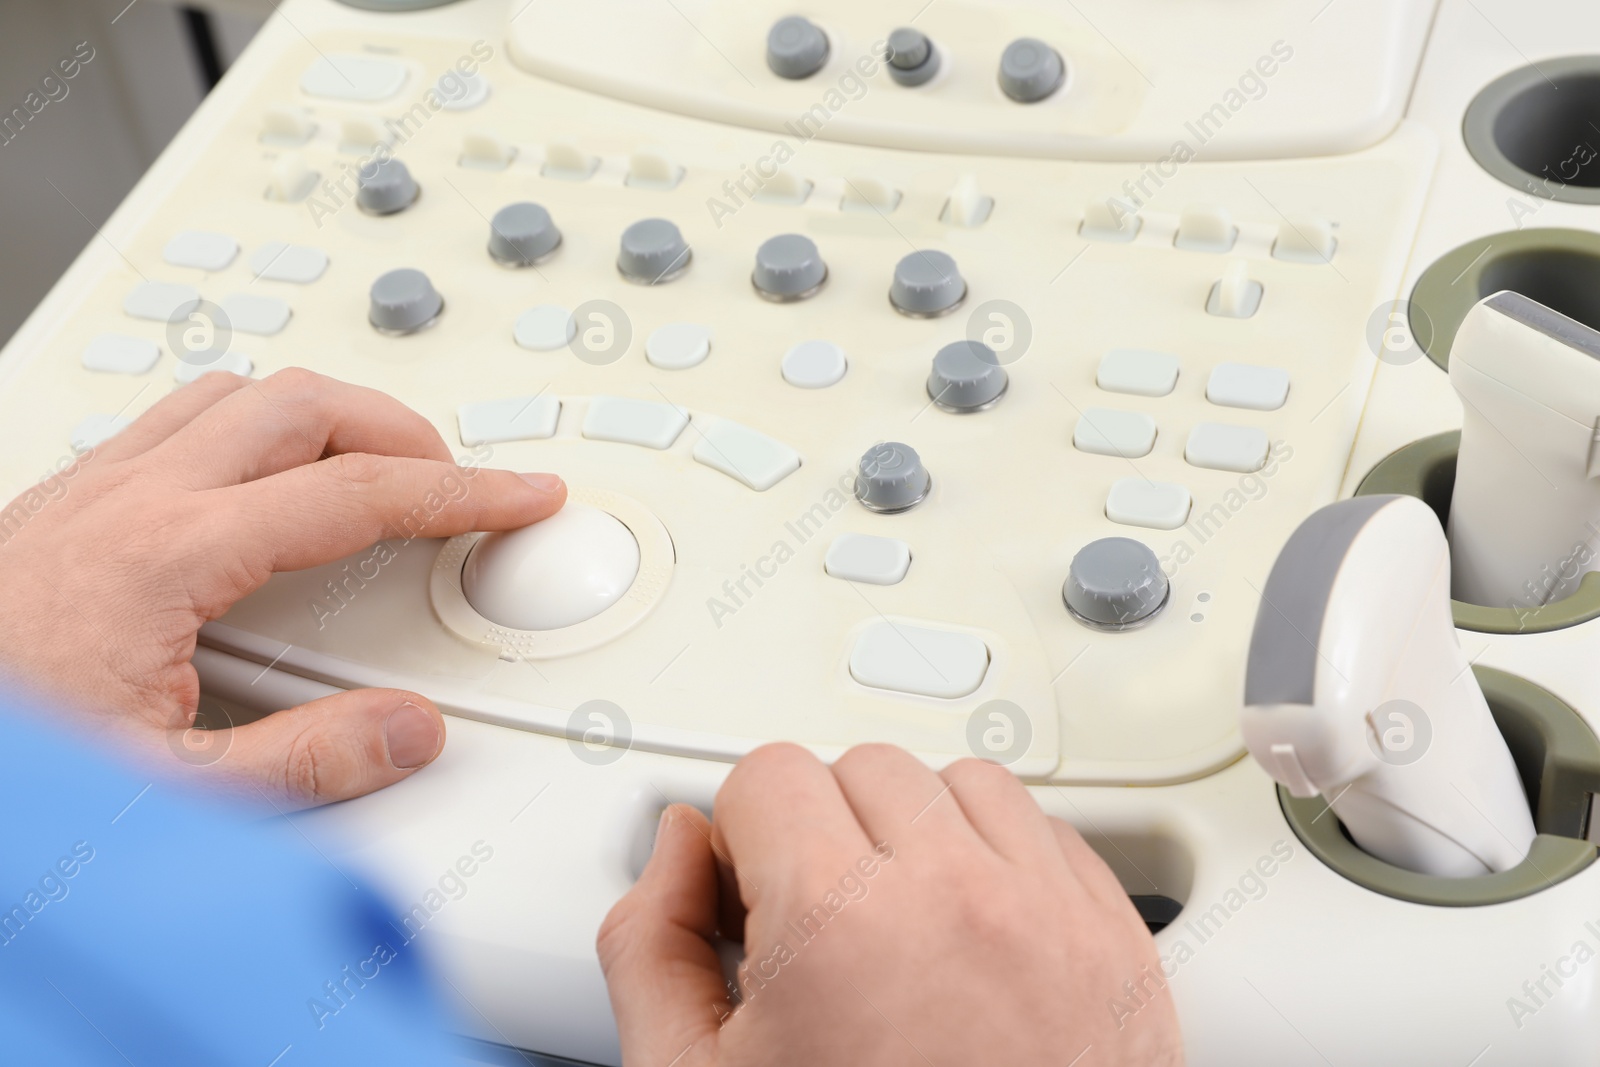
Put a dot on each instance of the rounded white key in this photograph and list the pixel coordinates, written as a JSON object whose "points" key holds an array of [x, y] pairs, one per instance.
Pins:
{"points": [[552, 574], [814, 364], [545, 328], [678, 346]]}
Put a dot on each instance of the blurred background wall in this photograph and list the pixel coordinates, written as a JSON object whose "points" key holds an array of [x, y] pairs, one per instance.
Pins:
{"points": [[65, 168]]}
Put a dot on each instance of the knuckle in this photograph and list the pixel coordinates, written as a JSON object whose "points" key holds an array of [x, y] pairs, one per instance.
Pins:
{"points": [[779, 759], [977, 771], [311, 769], [362, 469], [217, 385], [616, 931], [870, 757], [294, 381]]}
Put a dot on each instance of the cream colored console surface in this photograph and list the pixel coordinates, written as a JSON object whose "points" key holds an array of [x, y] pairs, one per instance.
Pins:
{"points": [[1196, 385]]}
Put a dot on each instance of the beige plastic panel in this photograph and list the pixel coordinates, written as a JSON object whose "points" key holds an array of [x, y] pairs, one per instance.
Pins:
{"points": [[1247, 79], [1013, 500]]}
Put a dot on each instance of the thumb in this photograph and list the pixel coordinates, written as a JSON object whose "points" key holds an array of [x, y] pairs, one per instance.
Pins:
{"points": [[334, 748], [655, 947]]}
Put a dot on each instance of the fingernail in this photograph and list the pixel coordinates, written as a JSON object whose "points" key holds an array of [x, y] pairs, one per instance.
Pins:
{"points": [[413, 737], [547, 483]]}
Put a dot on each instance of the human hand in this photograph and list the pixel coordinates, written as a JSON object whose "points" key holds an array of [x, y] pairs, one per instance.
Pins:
{"points": [[109, 569], [890, 915]]}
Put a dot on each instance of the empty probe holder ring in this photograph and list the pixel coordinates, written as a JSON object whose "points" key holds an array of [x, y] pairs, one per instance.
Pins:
{"points": [[1558, 268], [1530, 129], [1558, 759], [1426, 469]]}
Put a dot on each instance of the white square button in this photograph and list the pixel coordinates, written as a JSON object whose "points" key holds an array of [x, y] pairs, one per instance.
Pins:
{"points": [[865, 558], [261, 315], [350, 76], [634, 422], [1133, 370], [745, 455], [232, 362], [1108, 432], [279, 262], [1226, 448], [516, 418], [1244, 385], [1140, 502], [119, 354], [161, 301], [200, 250], [919, 660]]}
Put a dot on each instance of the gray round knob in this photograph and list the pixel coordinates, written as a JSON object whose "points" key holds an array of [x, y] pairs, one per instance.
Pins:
{"points": [[1115, 583], [927, 284], [796, 47], [520, 235], [404, 301], [967, 376], [653, 251], [386, 188], [1030, 70], [788, 267], [891, 477], [912, 57]]}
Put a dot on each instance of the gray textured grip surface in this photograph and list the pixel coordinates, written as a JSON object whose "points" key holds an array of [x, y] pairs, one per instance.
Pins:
{"points": [[1283, 648], [1552, 324]]}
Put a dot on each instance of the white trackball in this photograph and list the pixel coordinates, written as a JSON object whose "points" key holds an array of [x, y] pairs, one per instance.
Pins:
{"points": [[552, 574]]}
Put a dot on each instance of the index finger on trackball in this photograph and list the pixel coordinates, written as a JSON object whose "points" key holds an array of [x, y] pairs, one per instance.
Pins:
{"points": [[292, 418]]}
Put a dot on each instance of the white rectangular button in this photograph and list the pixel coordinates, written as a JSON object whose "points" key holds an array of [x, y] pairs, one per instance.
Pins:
{"points": [[1226, 448], [1132, 370], [1108, 432], [232, 362], [906, 658], [516, 418], [279, 262], [1243, 385], [634, 422], [743, 454], [864, 558], [200, 250], [161, 301], [263, 315], [1156, 505], [118, 354], [348, 76]]}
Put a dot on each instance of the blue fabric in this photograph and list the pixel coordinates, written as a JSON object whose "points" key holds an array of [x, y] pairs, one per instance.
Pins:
{"points": [[141, 924]]}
